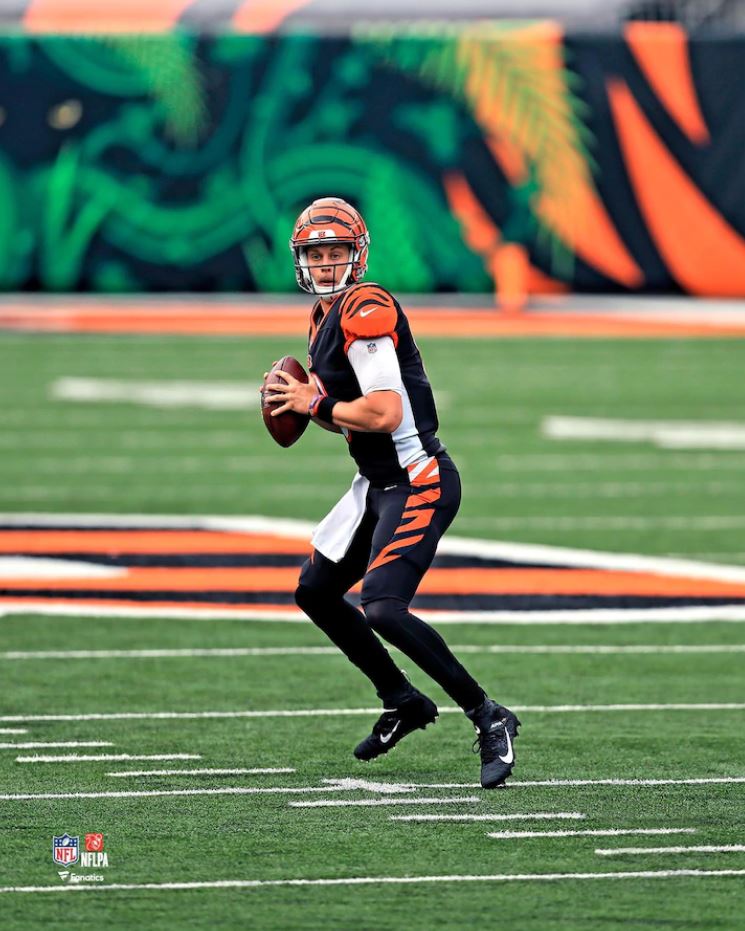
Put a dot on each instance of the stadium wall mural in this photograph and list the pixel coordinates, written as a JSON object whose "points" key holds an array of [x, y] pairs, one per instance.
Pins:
{"points": [[178, 161]]}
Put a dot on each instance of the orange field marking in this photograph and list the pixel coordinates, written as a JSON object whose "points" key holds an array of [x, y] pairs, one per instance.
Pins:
{"points": [[437, 582], [142, 606], [214, 319], [145, 541]]}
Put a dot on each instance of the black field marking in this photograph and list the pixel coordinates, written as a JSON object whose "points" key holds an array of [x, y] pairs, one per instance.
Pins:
{"points": [[524, 603], [249, 560], [181, 560], [534, 602]]}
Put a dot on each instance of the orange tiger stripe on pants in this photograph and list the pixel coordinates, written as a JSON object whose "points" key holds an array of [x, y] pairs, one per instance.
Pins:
{"points": [[420, 474], [387, 555]]}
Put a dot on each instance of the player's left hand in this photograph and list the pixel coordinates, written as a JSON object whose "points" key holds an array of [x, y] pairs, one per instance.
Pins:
{"points": [[294, 395]]}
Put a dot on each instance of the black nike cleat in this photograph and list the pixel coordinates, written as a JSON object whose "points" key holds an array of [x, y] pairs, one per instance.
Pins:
{"points": [[395, 723], [496, 729]]}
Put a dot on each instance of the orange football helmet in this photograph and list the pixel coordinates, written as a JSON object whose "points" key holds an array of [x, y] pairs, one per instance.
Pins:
{"points": [[326, 221]]}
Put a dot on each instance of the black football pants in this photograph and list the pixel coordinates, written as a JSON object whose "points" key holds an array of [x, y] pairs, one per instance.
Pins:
{"points": [[391, 550]]}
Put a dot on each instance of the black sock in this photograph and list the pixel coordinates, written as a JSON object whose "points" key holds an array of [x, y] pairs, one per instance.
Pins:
{"points": [[346, 626], [421, 643]]}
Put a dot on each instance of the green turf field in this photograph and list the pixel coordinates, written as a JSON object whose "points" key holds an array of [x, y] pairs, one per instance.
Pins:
{"points": [[518, 485]]}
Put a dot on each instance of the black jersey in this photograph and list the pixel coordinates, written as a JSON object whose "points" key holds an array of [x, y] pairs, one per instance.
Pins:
{"points": [[367, 311]]}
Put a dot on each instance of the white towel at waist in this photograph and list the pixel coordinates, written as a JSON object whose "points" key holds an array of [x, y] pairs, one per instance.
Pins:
{"points": [[334, 534]]}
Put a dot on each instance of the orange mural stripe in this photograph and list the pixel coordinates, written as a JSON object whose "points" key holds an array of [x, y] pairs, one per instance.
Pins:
{"points": [[568, 201], [86, 16], [661, 51], [145, 541], [596, 239], [509, 158], [479, 230], [510, 267], [598, 243], [261, 16], [702, 252], [388, 554]]}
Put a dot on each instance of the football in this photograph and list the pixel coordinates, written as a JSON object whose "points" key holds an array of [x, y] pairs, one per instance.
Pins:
{"points": [[286, 428]]}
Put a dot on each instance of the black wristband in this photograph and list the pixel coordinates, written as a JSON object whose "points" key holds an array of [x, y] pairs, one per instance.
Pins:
{"points": [[325, 408]]}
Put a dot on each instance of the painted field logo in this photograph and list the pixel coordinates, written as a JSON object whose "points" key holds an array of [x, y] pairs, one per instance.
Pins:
{"points": [[65, 850], [247, 567]]}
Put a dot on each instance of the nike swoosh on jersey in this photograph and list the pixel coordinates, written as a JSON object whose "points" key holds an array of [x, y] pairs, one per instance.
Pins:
{"points": [[365, 313], [384, 738]]}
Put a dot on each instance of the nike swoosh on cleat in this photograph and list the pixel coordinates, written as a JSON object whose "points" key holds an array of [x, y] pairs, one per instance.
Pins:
{"points": [[510, 755], [384, 738]]}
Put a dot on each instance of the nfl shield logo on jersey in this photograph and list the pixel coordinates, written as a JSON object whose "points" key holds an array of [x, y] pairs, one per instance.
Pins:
{"points": [[65, 849]]}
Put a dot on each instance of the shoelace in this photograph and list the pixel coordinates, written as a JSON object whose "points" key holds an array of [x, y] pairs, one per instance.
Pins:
{"points": [[486, 742]]}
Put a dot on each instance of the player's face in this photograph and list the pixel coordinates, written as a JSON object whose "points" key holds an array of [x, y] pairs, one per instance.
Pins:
{"points": [[327, 264]]}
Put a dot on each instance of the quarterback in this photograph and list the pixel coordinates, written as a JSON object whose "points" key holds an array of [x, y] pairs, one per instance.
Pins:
{"points": [[367, 382]]}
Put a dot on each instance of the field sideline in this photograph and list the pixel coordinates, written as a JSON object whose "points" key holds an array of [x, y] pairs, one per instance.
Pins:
{"points": [[225, 787]]}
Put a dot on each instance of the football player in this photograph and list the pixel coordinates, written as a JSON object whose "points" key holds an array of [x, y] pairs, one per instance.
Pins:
{"points": [[367, 381]]}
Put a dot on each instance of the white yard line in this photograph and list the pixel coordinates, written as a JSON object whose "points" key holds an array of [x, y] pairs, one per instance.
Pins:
{"points": [[13, 730], [567, 783], [153, 793], [107, 757], [498, 648], [532, 816], [384, 788], [603, 649], [620, 851], [680, 706], [684, 522], [363, 803], [667, 434], [374, 881], [618, 489], [610, 832], [37, 745], [256, 771], [613, 460], [213, 395], [168, 654], [337, 712], [694, 614]]}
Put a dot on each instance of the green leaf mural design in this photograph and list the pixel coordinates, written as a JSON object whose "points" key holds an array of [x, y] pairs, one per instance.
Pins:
{"points": [[67, 227], [513, 78], [163, 67]]}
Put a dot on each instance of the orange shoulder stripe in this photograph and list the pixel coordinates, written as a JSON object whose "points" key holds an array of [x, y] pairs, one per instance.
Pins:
{"points": [[367, 311]]}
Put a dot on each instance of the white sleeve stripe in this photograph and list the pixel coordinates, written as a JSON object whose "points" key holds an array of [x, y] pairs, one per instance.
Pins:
{"points": [[375, 364]]}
